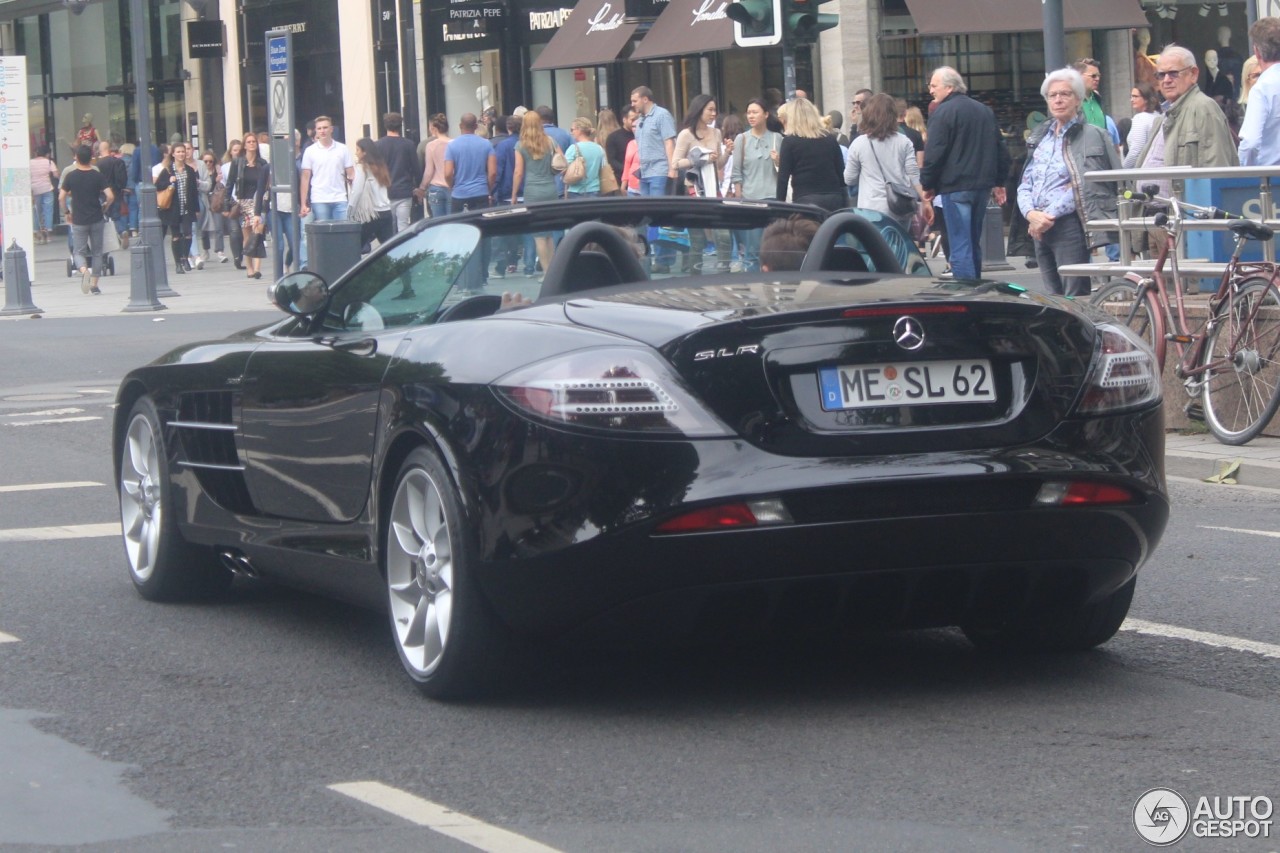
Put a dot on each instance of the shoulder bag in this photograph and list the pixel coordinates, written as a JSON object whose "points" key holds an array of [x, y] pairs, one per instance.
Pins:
{"points": [[608, 180], [576, 172], [361, 209], [231, 207], [901, 197], [164, 197], [558, 161], [218, 198]]}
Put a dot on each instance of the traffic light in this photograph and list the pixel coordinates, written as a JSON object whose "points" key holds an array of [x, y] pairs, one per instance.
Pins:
{"points": [[803, 22], [756, 23]]}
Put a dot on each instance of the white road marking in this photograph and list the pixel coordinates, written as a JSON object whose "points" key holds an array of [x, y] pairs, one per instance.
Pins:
{"points": [[7, 638], [71, 531], [439, 818], [1221, 641], [1272, 533], [56, 421], [40, 487], [46, 413]]}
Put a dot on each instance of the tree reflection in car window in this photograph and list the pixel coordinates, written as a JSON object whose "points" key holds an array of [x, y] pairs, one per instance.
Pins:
{"points": [[407, 284]]}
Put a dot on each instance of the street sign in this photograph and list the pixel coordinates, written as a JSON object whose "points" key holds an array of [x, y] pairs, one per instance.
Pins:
{"points": [[278, 54]]}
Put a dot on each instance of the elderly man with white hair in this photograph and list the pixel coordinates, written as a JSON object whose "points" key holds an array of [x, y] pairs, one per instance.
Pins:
{"points": [[1193, 130], [1052, 196]]}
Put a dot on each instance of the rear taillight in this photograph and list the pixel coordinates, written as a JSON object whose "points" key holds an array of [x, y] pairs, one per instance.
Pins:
{"points": [[1123, 374], [613, 389], [1084, 493], [760, 513]]}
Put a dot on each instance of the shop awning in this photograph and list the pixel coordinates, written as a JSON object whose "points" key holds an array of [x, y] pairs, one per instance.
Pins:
{"points": [[959, 17], [593, 35], [688, 26]]}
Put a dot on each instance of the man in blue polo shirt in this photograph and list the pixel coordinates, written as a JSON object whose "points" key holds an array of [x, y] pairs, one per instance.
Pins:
{"points": [[470, 170], [655, 131]]}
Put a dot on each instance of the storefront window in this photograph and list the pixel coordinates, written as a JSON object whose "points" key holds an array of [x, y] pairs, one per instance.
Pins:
{"points": [[472, 83], [570, 92]]}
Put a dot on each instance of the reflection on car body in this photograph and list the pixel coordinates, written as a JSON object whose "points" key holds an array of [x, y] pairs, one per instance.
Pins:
{"points": [[630, 452]]}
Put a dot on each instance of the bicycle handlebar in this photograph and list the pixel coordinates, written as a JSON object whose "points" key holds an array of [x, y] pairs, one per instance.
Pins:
{"points": [[1179, 206]]}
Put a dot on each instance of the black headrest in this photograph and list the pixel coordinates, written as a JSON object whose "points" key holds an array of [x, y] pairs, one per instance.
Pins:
{"points": [[821, 256], [611, 260]]}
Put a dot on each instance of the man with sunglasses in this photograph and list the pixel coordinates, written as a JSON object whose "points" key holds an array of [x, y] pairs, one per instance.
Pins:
{"points": [[1193, 130]]}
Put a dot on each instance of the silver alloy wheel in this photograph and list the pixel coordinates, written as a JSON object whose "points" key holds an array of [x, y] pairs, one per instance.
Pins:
{"points": [[420, 572], [141, 510]]}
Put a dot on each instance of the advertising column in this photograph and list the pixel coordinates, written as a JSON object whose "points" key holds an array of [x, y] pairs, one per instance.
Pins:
{"points": [[15, 158]]}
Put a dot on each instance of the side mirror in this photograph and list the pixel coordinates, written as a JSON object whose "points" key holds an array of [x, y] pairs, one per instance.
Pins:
{"points": [[301, 294]]}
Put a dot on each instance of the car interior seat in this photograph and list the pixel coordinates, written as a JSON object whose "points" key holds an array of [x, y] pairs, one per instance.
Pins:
{"points": [[610, 259]]}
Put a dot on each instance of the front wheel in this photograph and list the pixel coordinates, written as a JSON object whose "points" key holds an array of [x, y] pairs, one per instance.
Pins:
{"points": [[162, 565], [449, 643], [1075, 629], [1242, 361], [1142, 315]]}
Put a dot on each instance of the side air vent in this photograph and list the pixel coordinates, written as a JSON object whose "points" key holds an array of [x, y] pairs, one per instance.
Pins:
{"points": [[206, 438]]}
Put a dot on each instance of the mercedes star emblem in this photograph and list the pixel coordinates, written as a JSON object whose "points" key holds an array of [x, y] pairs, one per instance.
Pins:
{"points": [[908, 333]]}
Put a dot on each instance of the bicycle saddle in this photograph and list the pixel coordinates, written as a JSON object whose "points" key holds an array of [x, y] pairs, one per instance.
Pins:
{"points": [[1251, 230]]}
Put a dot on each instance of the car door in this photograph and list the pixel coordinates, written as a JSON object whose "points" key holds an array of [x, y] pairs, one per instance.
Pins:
{"points": [[310, 401]]}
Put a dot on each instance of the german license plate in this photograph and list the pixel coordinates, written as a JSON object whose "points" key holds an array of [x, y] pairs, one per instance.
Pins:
{"points": [[864, 386]]}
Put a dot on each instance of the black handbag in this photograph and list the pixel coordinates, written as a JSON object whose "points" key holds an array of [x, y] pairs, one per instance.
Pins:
{"points": [[902, 198]]}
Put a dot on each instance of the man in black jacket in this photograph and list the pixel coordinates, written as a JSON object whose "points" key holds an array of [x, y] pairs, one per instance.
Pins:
{"points": [[964, 158], [116, 171], [402, 164]]}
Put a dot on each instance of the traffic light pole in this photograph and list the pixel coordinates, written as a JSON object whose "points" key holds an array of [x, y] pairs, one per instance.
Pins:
{"points": [[788, 69]]}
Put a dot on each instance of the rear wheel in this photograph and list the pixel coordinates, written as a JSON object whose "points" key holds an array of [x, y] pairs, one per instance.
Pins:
{"points": [[448, 642], [1120, 299], [162, 565], [1072, 630], [1242, 394]]}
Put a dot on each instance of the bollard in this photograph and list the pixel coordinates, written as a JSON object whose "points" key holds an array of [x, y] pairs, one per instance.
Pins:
{"points": [[142, 291], [993, 257], [153, 237], [17, 284], [333, 247]]}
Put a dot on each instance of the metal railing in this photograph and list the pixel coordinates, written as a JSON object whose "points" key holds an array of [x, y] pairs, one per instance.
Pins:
{"points": [[1129, 220]]}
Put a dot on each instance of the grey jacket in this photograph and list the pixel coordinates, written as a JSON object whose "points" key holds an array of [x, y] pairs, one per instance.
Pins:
{"points": [[1195, 133], [1088, 149]]}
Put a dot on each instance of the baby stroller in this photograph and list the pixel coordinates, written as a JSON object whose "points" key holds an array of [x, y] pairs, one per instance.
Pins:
{"points": [[108, 262]]}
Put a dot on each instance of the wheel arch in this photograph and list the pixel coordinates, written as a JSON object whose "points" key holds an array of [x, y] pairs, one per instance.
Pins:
{"points": [[131, 391]]}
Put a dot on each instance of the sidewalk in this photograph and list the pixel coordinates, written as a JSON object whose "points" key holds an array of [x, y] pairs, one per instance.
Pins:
{"points": [[222, 287], [217, 287]]}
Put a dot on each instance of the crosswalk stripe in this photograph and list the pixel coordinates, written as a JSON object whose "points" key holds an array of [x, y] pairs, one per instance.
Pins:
{"points": [[71, 531], [1272, 533], [40, 487], [441, 819], [44, 421], [7, 638]]}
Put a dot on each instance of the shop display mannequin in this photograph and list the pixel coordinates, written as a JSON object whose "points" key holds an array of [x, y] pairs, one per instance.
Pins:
{"points": [[1213, 82], [1230, 61], [1144, 67]]}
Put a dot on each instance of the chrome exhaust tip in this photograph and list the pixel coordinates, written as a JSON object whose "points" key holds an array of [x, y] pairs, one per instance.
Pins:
{"points": [[238, 564]]}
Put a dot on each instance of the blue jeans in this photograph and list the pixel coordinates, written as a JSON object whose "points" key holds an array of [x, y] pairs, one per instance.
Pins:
{"points": [[44, 210], [438, 201], [964, 212], [135, 207], [323, 211], [657, 185], [749, 244], [284, 227]]}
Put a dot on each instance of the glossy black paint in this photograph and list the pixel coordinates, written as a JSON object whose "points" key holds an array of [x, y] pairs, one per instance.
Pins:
{"points": [[931, 508]]}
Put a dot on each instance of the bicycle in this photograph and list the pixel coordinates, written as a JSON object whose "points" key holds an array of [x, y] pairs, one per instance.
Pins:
{"points": [[1232, 359]]}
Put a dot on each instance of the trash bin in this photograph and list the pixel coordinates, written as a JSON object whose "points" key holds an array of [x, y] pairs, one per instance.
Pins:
{"points": [[992, 239], [333, 247]]}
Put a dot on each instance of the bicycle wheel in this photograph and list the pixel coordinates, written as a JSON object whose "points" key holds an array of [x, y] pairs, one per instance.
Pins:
{"points": [[1242, 393], [1119, 299]]}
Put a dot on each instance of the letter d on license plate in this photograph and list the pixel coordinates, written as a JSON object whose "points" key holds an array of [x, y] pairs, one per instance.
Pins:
{"points": [[922, 383]]}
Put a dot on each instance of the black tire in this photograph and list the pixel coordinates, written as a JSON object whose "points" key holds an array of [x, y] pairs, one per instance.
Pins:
{"points": [[1071, 630], [162, 565], [449, 643], [1240, 400], [1144, 317]]}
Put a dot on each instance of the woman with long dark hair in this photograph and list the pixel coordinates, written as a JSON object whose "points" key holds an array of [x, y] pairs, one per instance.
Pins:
{"points": [[882, 154], [370, 205], [697, 152], [180, 216], [249, 176]]}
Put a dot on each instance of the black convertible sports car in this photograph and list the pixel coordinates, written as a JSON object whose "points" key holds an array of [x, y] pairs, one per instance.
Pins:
{"points": [[629, 453]]}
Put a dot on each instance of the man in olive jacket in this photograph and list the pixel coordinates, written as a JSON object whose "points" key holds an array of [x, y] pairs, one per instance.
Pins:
{"points": [[1193, 130]]}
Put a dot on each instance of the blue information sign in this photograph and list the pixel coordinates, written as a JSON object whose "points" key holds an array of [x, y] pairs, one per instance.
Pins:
{"points": [[277, 55]]}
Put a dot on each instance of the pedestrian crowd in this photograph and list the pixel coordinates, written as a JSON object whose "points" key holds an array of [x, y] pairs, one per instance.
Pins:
{"points": [[935, 178]]}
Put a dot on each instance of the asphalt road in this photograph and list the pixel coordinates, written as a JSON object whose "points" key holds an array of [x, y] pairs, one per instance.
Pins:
{"points": [[131, 726]]}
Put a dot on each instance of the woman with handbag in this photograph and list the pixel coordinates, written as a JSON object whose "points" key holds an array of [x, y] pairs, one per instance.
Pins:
{"points": [[370, 204], [214, 201], [44, 183], [585, 160], [697, 152], [755, 173], [248, 177], [179, 183], [882, 163]]}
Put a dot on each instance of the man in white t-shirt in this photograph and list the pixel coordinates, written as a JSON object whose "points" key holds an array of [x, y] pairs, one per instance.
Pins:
{"points": [[327, 169]]}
